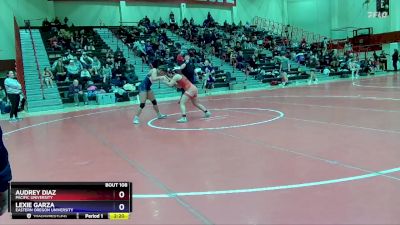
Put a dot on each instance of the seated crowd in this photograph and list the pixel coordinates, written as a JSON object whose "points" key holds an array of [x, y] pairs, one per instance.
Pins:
{"points": [[150, 41], [244, 46], [264, 55], [82, 59]]}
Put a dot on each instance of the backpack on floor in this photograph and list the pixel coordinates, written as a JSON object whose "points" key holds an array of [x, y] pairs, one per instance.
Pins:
{"points": [[5, 108]]}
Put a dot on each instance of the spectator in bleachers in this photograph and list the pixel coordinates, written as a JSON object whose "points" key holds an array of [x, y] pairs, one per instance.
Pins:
{"points": [[300, 58], [66, 21], [284, 69], [153, 26], [57, 22], [287, 33], [47, 77], [130, 74], [55, 44], [354, 67], [75, 44], [146, 21], [67, 56], [247, 26], [312, 77], [96, 65], [324, 45], [348, 48], [110, 57], [284, 79], [238, 47], [59, 70], [46, 24], [368, 66], [191, 22], [161, 49], [118, 80], [76, 91], [73, 70], [119, 56], [85, 75], [162, 23], [239, 64], [89, 47], [252, 66], [334, 61], [78, 63], [185, 23], [140, 46], [172, 22], [208, 75], [249, 45], [266, 42], [209, 21], [91, 89], [208, 68], [313, 63], [209, 82], [87, 62], [168, 58], [106, 73], [163, 37]]}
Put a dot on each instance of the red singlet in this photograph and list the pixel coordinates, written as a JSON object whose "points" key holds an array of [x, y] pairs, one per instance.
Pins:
{"points": [[184, 83]]}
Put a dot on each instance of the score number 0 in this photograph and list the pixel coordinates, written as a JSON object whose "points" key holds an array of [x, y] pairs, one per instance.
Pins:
{"points": [[121, 195]]}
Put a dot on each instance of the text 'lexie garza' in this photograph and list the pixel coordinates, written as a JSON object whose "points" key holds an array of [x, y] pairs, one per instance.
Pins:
{"points": [[34, 205]]}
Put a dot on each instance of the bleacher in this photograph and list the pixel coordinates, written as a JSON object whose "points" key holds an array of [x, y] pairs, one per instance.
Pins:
{"points": [[131, 34], [266, 65], [100, 52]]}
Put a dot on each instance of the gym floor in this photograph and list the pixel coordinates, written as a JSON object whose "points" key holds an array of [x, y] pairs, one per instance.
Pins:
{"points": [[320, 154]]}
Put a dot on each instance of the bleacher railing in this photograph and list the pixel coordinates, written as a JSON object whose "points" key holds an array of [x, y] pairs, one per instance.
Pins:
{"points": [[366, 50], [291, 32], [19, 65], [37, 63]]}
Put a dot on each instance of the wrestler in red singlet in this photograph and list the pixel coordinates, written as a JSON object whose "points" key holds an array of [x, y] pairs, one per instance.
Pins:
{"points": [[190, 93], [190, 90]]}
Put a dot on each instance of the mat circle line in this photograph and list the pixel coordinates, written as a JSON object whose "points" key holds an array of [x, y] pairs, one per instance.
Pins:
{"points": [[279, 116], [374, 86]]}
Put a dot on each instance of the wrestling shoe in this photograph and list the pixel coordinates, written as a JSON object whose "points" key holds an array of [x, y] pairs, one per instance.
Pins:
{"points": [[136, 120], [207, 114], [161, 116], [182, 120]]}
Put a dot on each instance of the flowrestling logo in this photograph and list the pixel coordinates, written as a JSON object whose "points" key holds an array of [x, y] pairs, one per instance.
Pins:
{"points": [[380, 15]]}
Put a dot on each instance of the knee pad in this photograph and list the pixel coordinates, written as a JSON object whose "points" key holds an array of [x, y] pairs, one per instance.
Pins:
{"points": [[142, 105], [154, 102]]}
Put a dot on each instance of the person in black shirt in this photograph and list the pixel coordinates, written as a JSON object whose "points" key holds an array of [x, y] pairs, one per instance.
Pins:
{"points": [[383, 60], [238, 47], [187, 69], [46, 23], [5, 175], [57, 22], [395, 59], [375, 56]]}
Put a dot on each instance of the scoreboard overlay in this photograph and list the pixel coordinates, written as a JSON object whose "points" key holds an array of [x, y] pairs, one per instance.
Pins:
{"points": [[70, 200]]}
